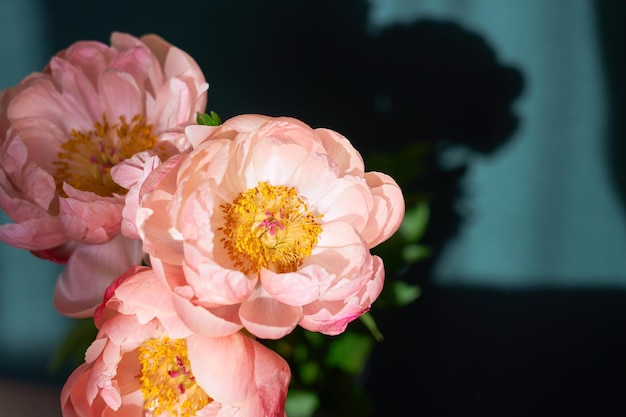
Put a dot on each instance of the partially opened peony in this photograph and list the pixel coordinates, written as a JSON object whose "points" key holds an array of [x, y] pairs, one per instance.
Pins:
{"points": [[146, 362], [268, 224], [63, 130]]}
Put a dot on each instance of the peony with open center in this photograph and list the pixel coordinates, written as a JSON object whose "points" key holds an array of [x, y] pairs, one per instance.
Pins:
{"points": [[63, 134], [268, 224], [145, 362]]}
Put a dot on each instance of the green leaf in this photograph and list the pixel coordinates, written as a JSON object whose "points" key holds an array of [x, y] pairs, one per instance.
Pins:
{"points": [[211, 119], [310, 372], [301, 403], [73, 347], [370, 323], [415, 221], [349, 352], [413, 253], [405, 293]]}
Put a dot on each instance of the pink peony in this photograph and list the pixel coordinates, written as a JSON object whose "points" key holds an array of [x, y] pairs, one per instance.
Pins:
{"points": [[268, 224], [146, 362], [63, 130]]}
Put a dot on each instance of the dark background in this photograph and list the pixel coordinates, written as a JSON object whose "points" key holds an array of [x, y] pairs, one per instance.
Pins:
{"points": [[457, 350]]}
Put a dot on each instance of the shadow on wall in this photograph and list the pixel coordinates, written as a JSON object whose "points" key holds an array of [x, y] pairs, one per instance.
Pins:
{"points": [[610, 22]]}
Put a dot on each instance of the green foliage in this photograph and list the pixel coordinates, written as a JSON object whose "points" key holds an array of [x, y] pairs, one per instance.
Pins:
{"points": [[349, 353], [301, 403], [210, 119], [72, 349], [403, 293]]}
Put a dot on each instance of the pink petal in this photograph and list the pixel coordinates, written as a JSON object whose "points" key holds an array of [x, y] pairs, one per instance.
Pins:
{"points": [[268, 318], [175, 105], [42, 100], [297, 288], [332, 317], [247, 122], [215, 322], [223, 366], [131, 175], [388, 211], [39, 186], [76, 86], [121, 96], [344, 199], [38, 143], [89, 271], [160, 239], [212, 283], [88, 218], [91, 57], [341, 151], [73, 399], [273, 376]]}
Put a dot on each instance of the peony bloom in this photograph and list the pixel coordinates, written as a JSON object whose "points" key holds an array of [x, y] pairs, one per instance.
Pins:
{"points": [[268, 224], [146, 362], [62, 132]]}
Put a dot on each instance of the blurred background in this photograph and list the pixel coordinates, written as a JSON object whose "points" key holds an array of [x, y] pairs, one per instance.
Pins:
{"points": [[517, 111]]}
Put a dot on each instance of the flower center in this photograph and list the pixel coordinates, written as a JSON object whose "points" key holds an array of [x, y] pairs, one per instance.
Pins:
{"points": [[269, 227], [167, 383], [86, 159]]}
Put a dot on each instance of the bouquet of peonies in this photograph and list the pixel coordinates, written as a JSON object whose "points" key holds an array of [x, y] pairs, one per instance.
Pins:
{"points": [[188, 242]]}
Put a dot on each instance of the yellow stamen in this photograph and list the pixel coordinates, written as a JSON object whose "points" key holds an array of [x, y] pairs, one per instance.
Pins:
{"points": [[86, 159], [269, 226], [167, 383]]}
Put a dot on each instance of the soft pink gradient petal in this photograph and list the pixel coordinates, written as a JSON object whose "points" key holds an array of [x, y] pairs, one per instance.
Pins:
{"points": [[73, 399], [42, 100], [39, 186], [274, 162], [296, 288], [388, 211], [37, 141], [332, 317], [89, 270], [159, 238], [345, 199], [35, 229], [215, 322], [223, 366], [268, 318], [272, 378], [120, 95], [197, 134], [146, 297], [175, 104], [341, 151], [212, 284], [131, 174], [89, 218], [92, 58], [73, 82], [247, 123]]}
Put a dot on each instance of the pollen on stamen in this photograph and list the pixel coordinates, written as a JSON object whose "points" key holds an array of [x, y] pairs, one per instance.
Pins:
{"points": [[269, 227], [166, 379], [86, 159]]}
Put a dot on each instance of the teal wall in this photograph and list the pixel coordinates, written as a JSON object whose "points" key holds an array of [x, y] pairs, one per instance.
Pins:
{"points": [[30, 326]]}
